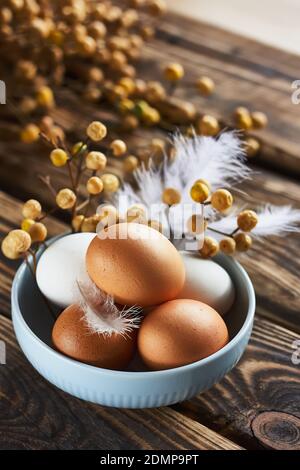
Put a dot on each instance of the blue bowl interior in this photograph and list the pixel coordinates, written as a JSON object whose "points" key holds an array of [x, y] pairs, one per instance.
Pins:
{"points": [[39, 319]]}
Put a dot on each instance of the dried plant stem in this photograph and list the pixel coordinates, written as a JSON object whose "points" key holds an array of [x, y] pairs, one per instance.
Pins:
{"points": [[219, 232], [234, 231], [82, 205], [88, 205], [33, 254], [46, 214], [48, 141], [71, 174], [47, 181]]}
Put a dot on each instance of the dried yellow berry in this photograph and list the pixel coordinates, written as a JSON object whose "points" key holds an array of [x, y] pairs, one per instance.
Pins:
{"points": [[151, 116], [173, 72], [128, 84], [58, 157], [95, 161], [199, 191], [89, 224], [130, 163], [204, 181], [158, 145], [157, 7], [252, 146], [171, 196], [209, 248], [96, 131], [130, 123], [77, 148], [243, 241], [118, 147], [155, 225], [259, 120], [147, 32], [38, 232], [247, 220], [77, 222], [126, 105], [241, 111], [32, 209], [110, 182], [221, 200], [26, 224], [30, 133], [208, 125], [245, 122], [137, 214], [108, 215], [45, 97], [196, 224], [65, 198], [205, 85], [227, 245], [155, 92], [15, 244], [94, 185]]}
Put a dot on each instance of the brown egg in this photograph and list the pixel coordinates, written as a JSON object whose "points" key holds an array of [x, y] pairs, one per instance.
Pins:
{"points": [[72, 337], [180, 332], [135, 264]]}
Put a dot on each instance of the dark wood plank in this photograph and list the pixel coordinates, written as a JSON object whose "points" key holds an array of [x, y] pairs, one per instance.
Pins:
{"points": [[265, 379], [36, 415], [258, 402], [246, 73], [273, 264]]}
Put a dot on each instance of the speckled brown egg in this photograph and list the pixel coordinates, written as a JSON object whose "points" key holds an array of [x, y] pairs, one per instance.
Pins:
{"points": [[180, 332], [72, 337], [135, 264]]}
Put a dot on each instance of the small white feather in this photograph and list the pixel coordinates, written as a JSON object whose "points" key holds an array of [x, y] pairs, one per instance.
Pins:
{"points": [[219, 160], [101, 314], [277, 220], [272, 220]]}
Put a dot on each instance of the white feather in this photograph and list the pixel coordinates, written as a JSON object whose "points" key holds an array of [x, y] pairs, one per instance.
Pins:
{"points": [[276, 220], [272, 220], [219, 160], [101, 314]]}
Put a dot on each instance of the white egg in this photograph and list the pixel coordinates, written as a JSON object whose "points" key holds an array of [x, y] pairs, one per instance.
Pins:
{"points": [[61, 266], [207, 282]]}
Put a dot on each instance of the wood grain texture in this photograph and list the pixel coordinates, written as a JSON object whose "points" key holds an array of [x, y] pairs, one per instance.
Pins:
{"points": [[265, 379], [246, 73], [257, 404], [58, 421]]}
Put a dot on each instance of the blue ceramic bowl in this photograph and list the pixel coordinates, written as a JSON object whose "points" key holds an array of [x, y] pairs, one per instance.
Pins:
{"points": [[128, 389]]}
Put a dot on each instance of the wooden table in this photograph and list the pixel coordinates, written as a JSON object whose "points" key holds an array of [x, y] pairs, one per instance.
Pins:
{"points": [[255, 406]]}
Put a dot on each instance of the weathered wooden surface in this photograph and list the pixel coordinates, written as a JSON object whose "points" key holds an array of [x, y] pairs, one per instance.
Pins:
{"points": [[256, 405], [36, 415], [265, 380], [246, 73]]}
